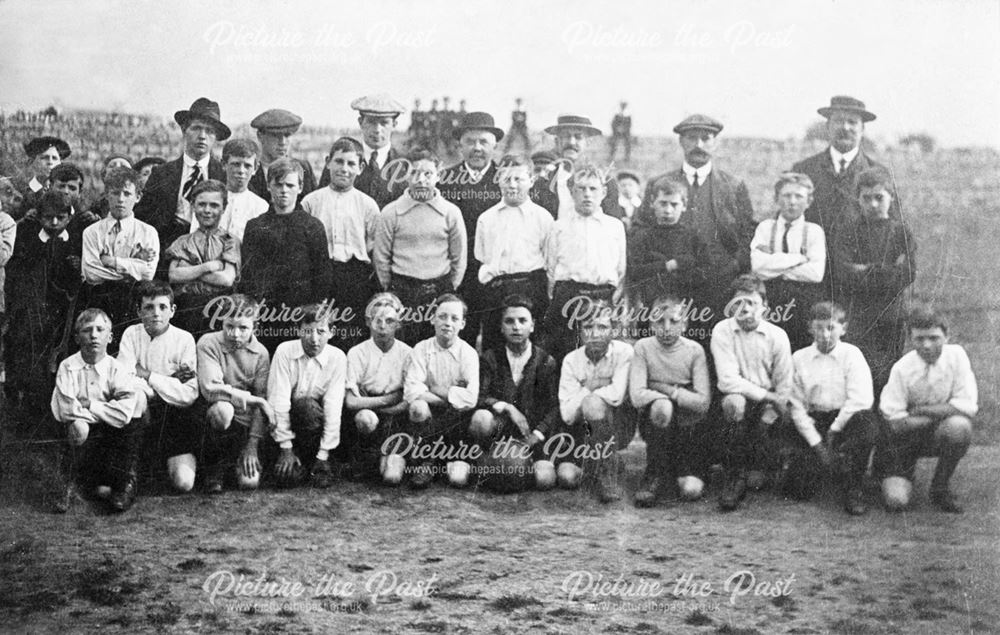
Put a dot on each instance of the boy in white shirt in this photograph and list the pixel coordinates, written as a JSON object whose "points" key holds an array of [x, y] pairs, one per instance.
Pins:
{"points": [[789, 254], [240, 158], [164, 361]]}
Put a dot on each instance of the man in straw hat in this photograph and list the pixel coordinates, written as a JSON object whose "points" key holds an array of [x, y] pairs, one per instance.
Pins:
{"points": [[572, 133], [166, 199]]}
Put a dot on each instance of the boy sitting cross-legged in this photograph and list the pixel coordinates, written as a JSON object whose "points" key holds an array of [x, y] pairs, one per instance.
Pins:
{"points": [[164, 361], [831, 398], [375, 391], [306, 390]]}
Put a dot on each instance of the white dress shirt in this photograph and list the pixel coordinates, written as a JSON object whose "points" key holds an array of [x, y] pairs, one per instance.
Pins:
{"points": [[837, 156], [587, 249], [511, 239], [431, 366], [350, 219], [183, 207], [241, 208], [702, 173], [161, 356], [132, 236], [383, 154], [607, 379], [805, 260], [76, 378], [372, 372], [752, 363], [295, 375], [913, 382], [824, 382]]}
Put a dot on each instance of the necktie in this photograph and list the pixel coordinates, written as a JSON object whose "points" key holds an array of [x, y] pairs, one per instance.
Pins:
{"points": [[694, 181], [784, 238], [191, 182], [843, 166], [373, 161]]}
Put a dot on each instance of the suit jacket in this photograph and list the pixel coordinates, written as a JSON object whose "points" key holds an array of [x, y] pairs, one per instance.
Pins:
{"points": [[372, 183], [535, 396], [158, 204], [472, 199], [258, 183], [721, 214]]}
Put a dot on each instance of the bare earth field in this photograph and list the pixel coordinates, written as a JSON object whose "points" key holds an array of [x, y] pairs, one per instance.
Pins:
{"points": [[372, 559]]}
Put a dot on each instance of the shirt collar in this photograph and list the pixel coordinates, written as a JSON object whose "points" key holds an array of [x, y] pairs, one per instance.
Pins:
{"points": [[702, 172], [126, 223], [435, 203], [383, 153], [203, 163], [475, 175], [836, 156], [323, 358], [833, 353], [795, 223], [35, 185], [103, 367], [44, 236], [451, 350], [737, 328]]}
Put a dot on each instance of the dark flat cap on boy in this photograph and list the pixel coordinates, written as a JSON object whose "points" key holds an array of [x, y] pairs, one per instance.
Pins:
{"points": [[277, 120], [208, 110], [544, 158], [477, 121], [699, 122], [143, 162], [380, 105], [574, 122], [39, 145], [844, 103]]}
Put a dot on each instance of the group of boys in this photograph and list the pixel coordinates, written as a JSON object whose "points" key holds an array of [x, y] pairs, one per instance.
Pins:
{"points": [[338, 242]]}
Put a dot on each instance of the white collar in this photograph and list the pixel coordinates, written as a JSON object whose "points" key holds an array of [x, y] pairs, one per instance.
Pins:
{"points": [[702, 172], [322, 359], [35, 185], [836, 156], [795, 223], [44, 236], [202, 163], [383, 153]]}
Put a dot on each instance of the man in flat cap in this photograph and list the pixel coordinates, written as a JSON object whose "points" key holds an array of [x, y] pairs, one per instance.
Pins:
{"points": [[167, 197], [383, 175], [718, 210], [275, 128], [834, 171], [473, 186], [572, 133]]}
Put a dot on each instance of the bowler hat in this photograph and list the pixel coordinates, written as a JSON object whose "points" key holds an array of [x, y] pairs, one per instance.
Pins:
{"points": [[39, 145], [277, 120], [477, 121], [847, 104], [570, 122], [699, 122], [204, 108]]}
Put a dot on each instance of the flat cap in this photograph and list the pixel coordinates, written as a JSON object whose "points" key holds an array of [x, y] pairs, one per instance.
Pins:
{"points": [[39, 145], [277, 120], [378, 104], [699, 122], [544, 158]]}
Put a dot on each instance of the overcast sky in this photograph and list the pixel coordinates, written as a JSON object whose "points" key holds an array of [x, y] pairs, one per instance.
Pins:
{"points": [[762, 67]]}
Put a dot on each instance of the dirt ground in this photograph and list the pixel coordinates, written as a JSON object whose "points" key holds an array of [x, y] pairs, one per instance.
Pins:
{"points": [[374, 559]]}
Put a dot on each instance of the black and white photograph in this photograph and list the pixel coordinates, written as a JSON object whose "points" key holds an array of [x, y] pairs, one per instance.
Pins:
{"points": [[674, 316]]}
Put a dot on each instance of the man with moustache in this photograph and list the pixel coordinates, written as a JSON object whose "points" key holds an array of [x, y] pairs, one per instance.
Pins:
{"points": [[572, 133], [472, 185], [166, 199], [275, 128], [719, 211], [835, 170]]}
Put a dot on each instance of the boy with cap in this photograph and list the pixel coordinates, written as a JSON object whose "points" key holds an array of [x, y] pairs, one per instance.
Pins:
{"points": [[350, 218], [928, 405], [232, 378], [44, 153], [420, 247], [375, 390], [274, 130], [753, 362], [95, 398], [164, 360], [203, 264], [441, 389], [118, 250], [305, 388]]}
